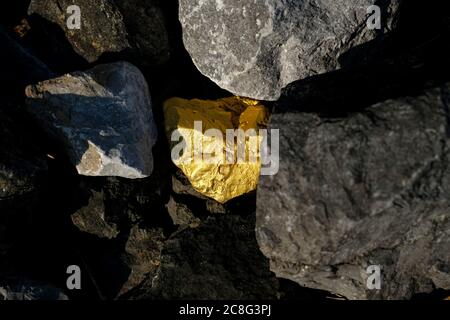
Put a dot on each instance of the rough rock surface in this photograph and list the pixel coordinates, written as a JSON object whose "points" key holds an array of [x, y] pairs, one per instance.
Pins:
{"points": [[368, 188], [102, 116], [181, 215], [121, 231], [111, 27], [215, 164], [91, 218], [218, 260], [142, 254], [254, 49]]}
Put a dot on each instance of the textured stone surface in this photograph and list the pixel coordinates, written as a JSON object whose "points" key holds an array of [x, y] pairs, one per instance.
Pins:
{"points": [[218, 260], [91, 218], [255, 48], [121, 231], [213, 164], [102, 116], [142, 254], [111, 27], [181, 215], [367, 188]]}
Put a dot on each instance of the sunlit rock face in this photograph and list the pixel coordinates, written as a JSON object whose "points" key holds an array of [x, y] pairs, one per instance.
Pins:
{"points": [[200, 148], [255, 48], [103, 118]]}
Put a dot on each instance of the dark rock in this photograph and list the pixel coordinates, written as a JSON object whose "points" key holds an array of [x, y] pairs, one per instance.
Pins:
{"points": [[218, 260], [205, 206], [11, 13], [22, 167], [19, 66], [142, 254], [181, 185], [121, 203], [111, 27], [91, 218], [121, 264], [146, 26], [23, 174], [103, 117], [369, 187], [256, 49], [181, 214], [122, 232], [24, 289]]}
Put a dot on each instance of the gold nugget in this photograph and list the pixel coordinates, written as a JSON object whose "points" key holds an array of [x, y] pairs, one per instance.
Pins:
{"points": [[216, 143]]}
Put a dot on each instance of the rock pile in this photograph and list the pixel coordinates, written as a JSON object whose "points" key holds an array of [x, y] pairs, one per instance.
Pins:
{"points": [[359, 208]]}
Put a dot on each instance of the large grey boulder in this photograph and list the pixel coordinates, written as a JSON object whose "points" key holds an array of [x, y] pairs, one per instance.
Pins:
{"points": [[102, 116], [255, 48], [353, 190], [111, 27]]}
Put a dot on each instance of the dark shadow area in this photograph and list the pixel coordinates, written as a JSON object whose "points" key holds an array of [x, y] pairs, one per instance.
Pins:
{"points": [[293, 291], [19, 67], [338, 93], [12, 12], [383, 46], [49, 44], [415, 25], [436, 295]]}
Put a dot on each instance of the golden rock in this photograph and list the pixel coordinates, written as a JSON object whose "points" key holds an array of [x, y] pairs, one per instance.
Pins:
{"points": [[219, 160]]}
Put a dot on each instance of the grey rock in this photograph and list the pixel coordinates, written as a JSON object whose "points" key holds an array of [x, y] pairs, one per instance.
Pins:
{"points": [[366, 188], [102, 116], [24, 289], [217, 260], [111, 27], [255, 48]]}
